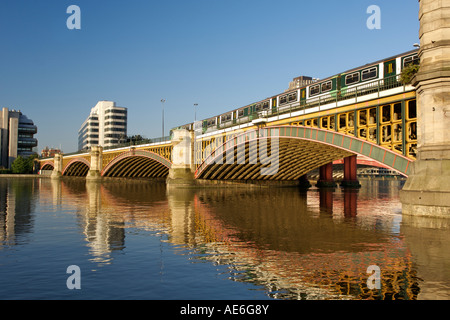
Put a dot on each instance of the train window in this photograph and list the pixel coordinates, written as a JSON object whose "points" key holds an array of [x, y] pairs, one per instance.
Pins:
{"points": [[225, 118], [293, 97], [241, 113], [283, 100], [258, 107], [326, 86], [265, 105], [352, 78], [369, 74], [410, 60], [313, 90]]}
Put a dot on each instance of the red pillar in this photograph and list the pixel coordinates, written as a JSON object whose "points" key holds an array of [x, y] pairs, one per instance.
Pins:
{"points": [[350, 177], [326, 176]]}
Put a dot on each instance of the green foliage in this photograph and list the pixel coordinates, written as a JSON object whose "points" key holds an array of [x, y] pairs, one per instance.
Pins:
{"points": [[408, 73], [23, 165]]}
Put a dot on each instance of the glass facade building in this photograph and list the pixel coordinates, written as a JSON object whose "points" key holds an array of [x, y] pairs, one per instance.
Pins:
{"points": [[16, 136]]}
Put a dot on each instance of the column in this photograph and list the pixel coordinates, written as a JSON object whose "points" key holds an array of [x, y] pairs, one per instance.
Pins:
{"points": [[350, 175], [181, 174], [303, 182], [57, 169], [427, 189], [95, 171], [326, 176]]}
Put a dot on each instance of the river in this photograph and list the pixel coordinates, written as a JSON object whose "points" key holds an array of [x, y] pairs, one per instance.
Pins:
{"points": [[135, 240]]}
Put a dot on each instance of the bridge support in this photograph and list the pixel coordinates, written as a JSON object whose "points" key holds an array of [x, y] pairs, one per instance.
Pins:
{"points": [[427, 190], [326, 177], [181, 173], [95, 171], [58, 166], [350, 176]]}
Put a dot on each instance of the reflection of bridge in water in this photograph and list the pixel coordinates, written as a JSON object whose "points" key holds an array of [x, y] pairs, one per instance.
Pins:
{"points": [[307, 245]]}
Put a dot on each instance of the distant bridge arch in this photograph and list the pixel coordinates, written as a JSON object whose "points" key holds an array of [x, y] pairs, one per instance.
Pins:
{"points": [[301, 149], [49, 165], [78, 167], [138, 164]]}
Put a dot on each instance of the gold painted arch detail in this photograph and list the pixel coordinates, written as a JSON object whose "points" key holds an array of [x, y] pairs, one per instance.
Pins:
{"points": [[138, 164], [300, 149], [78, 167], [48, 165]]}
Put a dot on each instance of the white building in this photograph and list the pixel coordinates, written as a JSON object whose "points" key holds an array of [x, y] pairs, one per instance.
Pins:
{"points": [[106, 126]]}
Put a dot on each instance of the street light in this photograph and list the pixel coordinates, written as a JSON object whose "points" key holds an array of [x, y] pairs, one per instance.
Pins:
{"points": [[195, 111], [162, 102]]}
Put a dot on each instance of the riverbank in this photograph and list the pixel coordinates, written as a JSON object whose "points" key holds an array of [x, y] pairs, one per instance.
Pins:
{"points": [[12, 175]]}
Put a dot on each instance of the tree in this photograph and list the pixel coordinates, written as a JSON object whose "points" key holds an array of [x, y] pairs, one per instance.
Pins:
{"points": [[408, 73], [23, 165]]}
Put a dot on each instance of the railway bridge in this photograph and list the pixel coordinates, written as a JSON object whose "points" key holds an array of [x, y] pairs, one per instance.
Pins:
{"points": [[364, 111], [376, 121]]}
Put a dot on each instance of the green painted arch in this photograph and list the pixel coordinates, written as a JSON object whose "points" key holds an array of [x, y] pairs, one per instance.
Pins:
{"points": [[328, 140], [137, 164]]}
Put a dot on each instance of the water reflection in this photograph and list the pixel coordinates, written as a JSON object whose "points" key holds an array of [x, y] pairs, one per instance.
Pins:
{"points": [[292, 243], [17, 204]]}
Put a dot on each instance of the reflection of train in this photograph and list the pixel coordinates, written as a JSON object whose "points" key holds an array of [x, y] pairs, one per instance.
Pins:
{"points": [[369, 78]]}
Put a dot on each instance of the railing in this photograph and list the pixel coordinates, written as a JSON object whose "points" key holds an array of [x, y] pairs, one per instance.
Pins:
{"points": [[121, 145]]}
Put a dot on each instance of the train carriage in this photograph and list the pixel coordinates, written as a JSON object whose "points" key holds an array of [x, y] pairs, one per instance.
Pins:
{"points": [[349, 84]]}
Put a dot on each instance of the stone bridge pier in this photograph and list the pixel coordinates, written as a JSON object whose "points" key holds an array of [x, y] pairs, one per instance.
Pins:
{"points": [[181, 174], [95, 171], [58, 166], [427, 190]]}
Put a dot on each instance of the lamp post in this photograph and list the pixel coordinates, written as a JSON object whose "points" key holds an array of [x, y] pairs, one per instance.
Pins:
{"points": [[195, 111], [162, 102]]}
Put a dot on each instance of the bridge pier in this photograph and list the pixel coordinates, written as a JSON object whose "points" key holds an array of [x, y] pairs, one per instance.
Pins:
{"points": [[95, 171], [427, 189], [57, 169], [326, 177], [350, 173], [181, 173]]}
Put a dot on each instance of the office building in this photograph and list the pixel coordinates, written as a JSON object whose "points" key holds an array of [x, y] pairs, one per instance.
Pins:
{"points": [[105, 126], [16, 136]]}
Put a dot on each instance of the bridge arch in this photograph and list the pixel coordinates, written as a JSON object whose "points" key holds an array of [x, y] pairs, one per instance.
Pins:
{"points": [[78, 167], [300, 149], [138, 164], [48, 165]]}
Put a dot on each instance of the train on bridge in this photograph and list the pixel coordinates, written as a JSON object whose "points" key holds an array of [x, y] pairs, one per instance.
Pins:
{"points": [[379, 75]]}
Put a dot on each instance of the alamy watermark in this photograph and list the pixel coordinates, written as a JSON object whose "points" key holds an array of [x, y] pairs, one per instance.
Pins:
{"points": [[374, 21], [74, 280], [262, 150], [74, 20], [374, 280]]}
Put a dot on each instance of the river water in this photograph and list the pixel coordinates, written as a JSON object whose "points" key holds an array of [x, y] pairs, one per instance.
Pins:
{"points": [[136, 240]]}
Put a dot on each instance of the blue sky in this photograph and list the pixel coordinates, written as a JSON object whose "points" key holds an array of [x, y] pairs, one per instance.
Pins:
{"points": [[221, 54]]}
